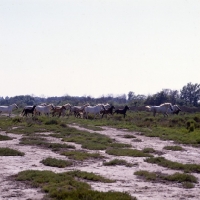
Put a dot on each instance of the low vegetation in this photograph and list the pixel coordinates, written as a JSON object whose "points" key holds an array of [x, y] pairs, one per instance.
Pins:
{"points": [[127, 152], [81, 155], [53, 162], [186, 180], [174, 165], [65, 186], [174, 148], [118, 162], [5, 137], [10, 152], [182, 129], [43, 142], [89, 176]]}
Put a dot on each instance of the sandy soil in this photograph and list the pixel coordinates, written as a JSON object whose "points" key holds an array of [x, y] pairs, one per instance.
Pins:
{"points": [[126, 180]]}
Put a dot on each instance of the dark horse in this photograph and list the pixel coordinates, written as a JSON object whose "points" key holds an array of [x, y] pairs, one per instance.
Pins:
{"points": [[107, 111], [28, 109], [122, 111]]}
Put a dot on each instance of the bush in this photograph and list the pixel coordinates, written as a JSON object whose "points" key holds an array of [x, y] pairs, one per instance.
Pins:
{"points": [[190, 125]]}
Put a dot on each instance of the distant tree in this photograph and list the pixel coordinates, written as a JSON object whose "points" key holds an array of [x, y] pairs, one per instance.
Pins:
{"points": [[190, 93], [131, 95]]}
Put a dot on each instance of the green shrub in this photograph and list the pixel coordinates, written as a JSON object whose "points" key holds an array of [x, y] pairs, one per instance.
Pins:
{"points": [[5, 137], [117, 162], [190, 125], [10, 152], [173, 148], [53, 162]]}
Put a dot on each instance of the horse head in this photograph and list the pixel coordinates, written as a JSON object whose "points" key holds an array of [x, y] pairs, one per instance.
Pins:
{"points": [[63, 107], [126, 107], [112, 107], [176, 109]]}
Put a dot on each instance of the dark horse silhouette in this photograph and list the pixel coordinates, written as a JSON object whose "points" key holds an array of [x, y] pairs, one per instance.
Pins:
{"points": [[28, 109], [107, 111], [122, 111]]}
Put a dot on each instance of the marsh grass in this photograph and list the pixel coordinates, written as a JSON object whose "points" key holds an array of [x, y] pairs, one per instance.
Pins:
{"points": [[53, 162], [118, 162], [65, 186], [89, 176], [43, 142], [129, 136], [127, 152], [174, 148], [5, 137], [161, 161], [10, 152], [173, 127], [149, 150], [186, 180], [81, 155]]}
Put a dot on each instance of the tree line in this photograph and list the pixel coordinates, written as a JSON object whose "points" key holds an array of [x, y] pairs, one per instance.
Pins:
{"points": [[189, 95]]}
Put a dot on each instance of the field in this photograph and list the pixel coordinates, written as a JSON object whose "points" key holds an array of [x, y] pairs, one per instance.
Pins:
{"points": [[139, 157]]}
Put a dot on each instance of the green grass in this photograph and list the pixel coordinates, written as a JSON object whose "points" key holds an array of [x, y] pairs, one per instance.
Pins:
{"points": [[53, 162], [187, 180], [81, 155], [149, 150], [118, 162], [65, 186], [174, 127], [89, 176], [174, 148], [42, 142], [5, 137], [10, 152], [127, 152], [169, 128], [128, 136], [174, 165]]}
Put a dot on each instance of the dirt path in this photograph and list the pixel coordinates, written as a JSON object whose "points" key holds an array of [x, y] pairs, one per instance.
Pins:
{"points": [[126, 180]]}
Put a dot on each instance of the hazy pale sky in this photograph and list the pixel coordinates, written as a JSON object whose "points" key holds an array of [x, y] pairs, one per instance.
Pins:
{"points": [[98, 47]]}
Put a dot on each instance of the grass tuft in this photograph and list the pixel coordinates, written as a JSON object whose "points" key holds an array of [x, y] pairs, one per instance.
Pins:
{"points": [[53, 162], [10, 152]]}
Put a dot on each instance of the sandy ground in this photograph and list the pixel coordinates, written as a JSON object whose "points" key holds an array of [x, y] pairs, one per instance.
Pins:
{"points": [[126, 180]]}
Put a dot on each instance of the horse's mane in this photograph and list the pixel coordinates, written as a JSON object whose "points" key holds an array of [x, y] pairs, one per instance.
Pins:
{"points": [[165, 104]]}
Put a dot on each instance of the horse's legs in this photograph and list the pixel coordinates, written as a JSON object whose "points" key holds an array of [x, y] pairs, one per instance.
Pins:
{"points": [[165, 114]]}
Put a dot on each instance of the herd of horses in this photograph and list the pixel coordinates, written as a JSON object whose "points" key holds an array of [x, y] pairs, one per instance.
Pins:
{"points": [[85, 110]]}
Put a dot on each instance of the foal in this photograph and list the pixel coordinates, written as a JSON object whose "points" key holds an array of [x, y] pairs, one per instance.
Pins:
{"points": [[122, 111], [58, 110], [107, 111]]}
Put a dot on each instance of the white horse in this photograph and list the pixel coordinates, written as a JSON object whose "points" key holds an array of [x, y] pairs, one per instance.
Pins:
{"points": [[8, 109], [44, 109], [93, 110], [106, 106], [163, 108], [175, 108]]}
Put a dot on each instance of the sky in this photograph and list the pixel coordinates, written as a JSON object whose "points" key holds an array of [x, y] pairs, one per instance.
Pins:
{"points": [[98, 47]]}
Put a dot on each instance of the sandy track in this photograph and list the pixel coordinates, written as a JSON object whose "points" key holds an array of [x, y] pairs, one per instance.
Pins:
{"points": [[126, 180]]}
